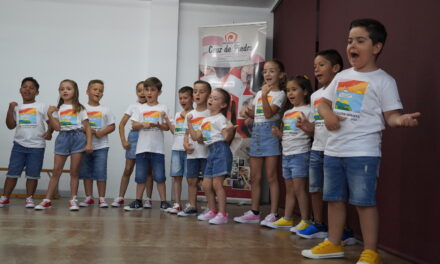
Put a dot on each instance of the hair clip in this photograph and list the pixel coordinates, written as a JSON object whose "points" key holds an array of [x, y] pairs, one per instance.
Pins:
{"points": [[306, 77]]}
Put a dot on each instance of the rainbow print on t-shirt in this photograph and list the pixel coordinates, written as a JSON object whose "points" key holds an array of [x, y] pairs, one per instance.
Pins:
{"points": [[259, 106], [350, 95], [179, 128], [27, 116], [95, 119], [68, 118], [206, 131], [316, 115], [197, 122], [290, 119], [151, 117]]}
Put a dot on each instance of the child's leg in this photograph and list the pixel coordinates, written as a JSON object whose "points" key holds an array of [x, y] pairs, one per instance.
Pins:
{"points": [[59, 161], [177, 188], [88, 187], [336, 221], [220, 193], [207, 186], [157, 162], [290, 198], [140, 188], [317, 206], [75, 160], [271, 164], [256, 166], [125, 180], [316, 183], [9, 186], [143, 165], [100, 170], [31, 187], [161, 188], [300, 185], [101, 187], [149, 184], [192, 191], [369, 220]]}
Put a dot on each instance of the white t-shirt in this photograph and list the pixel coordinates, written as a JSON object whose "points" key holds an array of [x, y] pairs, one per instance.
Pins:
{"points": [[277, 98], [361, 97], [30, 119], [212, 127], [100, 117], [321, 132], [295, 140], [69, 120], [133, 108], [150, 139], [179, 132], [200, 150]]}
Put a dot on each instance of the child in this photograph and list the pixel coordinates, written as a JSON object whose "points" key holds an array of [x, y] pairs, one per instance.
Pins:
{"points": [[196, 151], [150, 146], [296, 150], [29, 141], [178, 156], [129, 144], [354, 107], [327, 64], [265, 148], [94, 165], [215, 132], [70, 118]]}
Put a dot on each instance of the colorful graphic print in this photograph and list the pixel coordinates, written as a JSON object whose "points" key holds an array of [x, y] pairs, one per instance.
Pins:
{"points": [[206, 131], [68, 118], [179, 128], [27, 116], [197, 122], [95, 119], [151, 117], [259, 106], [290, 119], [350, 95], [316, 115]]}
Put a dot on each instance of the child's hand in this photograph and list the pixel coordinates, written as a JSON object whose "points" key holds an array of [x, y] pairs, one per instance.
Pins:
{"points": [[230, 128], [302, 122], [188, 148], [332, 121], [126, 144], [189, 117], [52, 109], [47, 135], [266, 89], [12, 105], [147, 125], [89, 148], [276, 132], [164, 115], [408, 120]]}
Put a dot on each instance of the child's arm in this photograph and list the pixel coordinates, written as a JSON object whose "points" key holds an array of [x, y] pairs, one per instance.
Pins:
{"points": [[161, 126], [186, 145], [396, 118], [331, 120], [125, 143], [100, 133], [53, 122], [268, 109], [10, 120], [168, 122], [195, 135], [48, 134], [277, 131], [229, 132], [88, 130], [306, 126]]}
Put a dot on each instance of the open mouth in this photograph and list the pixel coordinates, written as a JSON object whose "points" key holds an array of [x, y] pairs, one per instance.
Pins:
{"points": [[354, 55]]}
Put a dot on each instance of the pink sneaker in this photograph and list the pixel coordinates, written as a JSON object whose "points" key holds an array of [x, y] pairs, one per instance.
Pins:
{"points": [[270, 218], [4, 201], [118, 202], [219, 219], [248, 218], [88, 201], [46, 203], [207, 215]]}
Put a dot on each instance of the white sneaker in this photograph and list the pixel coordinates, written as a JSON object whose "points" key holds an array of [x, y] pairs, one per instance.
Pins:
{"points": [[208, 215], [248, 218], [102, 203], [219, 219], [175, 209], [147, 203], [29, 202], [88, 201], [118, 202], [73, 205], [270, 218]]}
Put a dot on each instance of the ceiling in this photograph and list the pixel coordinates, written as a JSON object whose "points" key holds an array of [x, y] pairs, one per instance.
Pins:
{"points": [[246, 3]]}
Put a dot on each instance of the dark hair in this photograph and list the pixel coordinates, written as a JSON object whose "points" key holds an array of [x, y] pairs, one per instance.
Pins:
{"points": [[226, 99], [303, 82], [93, 82], [77, 107], [376, 30], [333, 57], [205, 83], [32, 80], [153, 81], [282, 84], [141, 82], [186, 89]]}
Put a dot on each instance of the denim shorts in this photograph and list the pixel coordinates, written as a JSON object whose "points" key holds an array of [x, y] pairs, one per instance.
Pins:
{"points": [[263, 143], [316, 171], [178, 163], [94, 165], [219, 162], [147, 161], [132, 138], [296, 166], [352, 178], [70, 142], [195, 167], [21, 157]]}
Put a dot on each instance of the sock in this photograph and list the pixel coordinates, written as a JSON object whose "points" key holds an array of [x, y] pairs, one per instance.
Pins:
{"points": [[255, 212]]}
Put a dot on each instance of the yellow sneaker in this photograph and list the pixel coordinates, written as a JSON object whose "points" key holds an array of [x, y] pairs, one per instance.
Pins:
{"points": [[324, 249], [281, 223], [301, 226], [369, 257]]}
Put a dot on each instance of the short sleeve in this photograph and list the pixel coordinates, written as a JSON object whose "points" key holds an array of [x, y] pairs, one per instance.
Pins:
{"points": [[136, 115], [279, 99], [44, 109], [389, 97], [330, 92], [83, 115], [110, 118]]}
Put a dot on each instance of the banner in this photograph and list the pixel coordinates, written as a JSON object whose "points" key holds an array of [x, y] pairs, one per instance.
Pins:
{"points": [[232, 57]]}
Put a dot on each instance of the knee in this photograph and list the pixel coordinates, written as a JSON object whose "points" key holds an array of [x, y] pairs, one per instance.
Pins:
{"points": [[272, 179]]}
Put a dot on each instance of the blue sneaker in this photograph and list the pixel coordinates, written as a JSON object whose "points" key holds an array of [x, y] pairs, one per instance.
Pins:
{"points": [[348, 238], [313, 231]]}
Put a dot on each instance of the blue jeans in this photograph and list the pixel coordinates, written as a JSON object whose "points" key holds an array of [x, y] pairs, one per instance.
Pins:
{"points": [[132, 138], [296, 166], [195, 167], [263, 143], [70, 142], [94, 165], [352, 178], [316, 171], [178, 163], [21, 157], [147, 160], [219, 162]]}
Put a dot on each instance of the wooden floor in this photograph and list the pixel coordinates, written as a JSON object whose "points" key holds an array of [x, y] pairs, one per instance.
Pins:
{"points": [[111, 235]]}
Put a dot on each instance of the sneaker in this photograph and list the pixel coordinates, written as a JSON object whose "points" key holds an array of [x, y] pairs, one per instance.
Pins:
{"points": [[248, 218], [301, 226], [4, 201], [270, 218], [88, 201], [281, 223], [324, 249], [208, 215], [73, 205], [219, 219], [188, 211], [175, 209], [135, 205], [164, 205], [369, 257], [102, 203], [46, 203], [147, 203], [29, 202], [313, 231], [118, 202], [348, 238]]}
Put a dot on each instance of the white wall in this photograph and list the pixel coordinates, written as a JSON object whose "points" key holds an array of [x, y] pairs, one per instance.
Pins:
{"points": [[110, 40]]}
